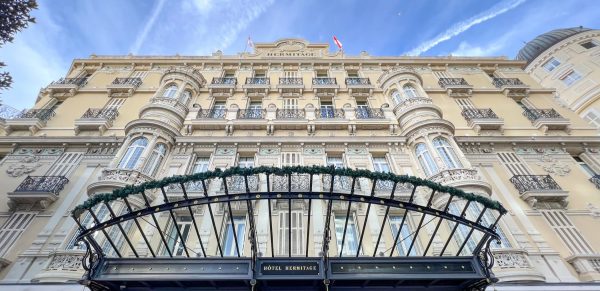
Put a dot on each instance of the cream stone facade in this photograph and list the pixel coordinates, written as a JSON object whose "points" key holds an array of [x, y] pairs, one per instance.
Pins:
{"points": [[483, 125], [569, 61]]}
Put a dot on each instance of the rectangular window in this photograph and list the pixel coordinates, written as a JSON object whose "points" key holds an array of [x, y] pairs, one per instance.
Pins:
{"points": [[362, 109], [327, 110], [65, 164], [380, 164], [290, 103], [229, 246], [255, 106], [567, 232], [551, 64], [592, 117], [322, 74], [114, 103], [172, 236], [260, 74], [335, 161], [589, 44], [219, 110], [139, 74], [406, 236], [571, 77], [290, 74], [464, 103], [297, 233], [290, 159], [12, 229], [201, 165], [246, 162], [353, 74], [351, 237], [442, 74], [586, 168], [513, 164]]}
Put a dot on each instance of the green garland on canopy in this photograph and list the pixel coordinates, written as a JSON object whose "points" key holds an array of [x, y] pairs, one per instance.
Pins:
{"points": [[313, 170]]}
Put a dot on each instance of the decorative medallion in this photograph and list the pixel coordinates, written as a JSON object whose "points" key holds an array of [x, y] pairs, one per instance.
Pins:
{"points": [[269, 151], [39, 151], [225, 151], [357, 151], [313, 151], [552, 166], [26, 165]]}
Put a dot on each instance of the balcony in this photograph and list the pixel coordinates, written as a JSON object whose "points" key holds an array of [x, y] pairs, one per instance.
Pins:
{"points": [[290, 85], [587, 266], [330, 119], [42, 190], [596, 180], [252, 114], [369, 113], [461, 177], [168, 103], [329, 113], [64, 266], [29, 119], [484, 118], [513, 265], [405, 107], [547, 119], [359, 87], [111, 179], [211, 114], [259, 81], [325, 87], [291, 114], [96, 119], [65, 87], [456, 87], [223, 82], [539, 188], [123, 87], [512, 87]]}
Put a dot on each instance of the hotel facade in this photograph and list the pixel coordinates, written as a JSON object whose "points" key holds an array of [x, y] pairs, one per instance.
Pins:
{"points": [[476, 125]]}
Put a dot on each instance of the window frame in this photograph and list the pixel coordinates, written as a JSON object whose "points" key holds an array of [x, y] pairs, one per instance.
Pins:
{"points": [[132, 155]]}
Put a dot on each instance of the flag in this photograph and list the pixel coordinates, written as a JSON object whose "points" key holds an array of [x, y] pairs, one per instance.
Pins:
{"points": [[337, 42], [250, 43]]}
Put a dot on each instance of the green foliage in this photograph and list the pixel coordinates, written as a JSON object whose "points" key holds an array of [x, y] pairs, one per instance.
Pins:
{"points": [[312, 170]]}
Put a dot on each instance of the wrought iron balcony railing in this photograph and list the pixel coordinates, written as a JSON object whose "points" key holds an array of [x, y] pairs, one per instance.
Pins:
{"points": [[41, 114], [252, 114], [596, 180], [290, 81], [71, 81], [535, 114], [329, 113], [224, 81], [258, 81], [354, 81], [477, 113], [369, 113], [105, 113], [501, 82], [46, 184], [525, 183], [445, 82], [324, 81], [215, 113], [291, 114], [135, 82]]}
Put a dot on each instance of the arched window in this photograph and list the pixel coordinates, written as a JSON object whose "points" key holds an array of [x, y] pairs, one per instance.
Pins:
{"points": [[155, 159], [409, 91], [425, 159], [397, 97], [185, 97], [133, 153], [170, 91], [447, 153]]}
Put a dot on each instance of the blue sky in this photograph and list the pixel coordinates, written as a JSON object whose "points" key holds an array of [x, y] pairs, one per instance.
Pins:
{"points": [[69, 29]]}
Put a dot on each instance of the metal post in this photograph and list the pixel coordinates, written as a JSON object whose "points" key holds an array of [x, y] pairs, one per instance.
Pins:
{"points": [[112, 214], [160, 232], [137, 223]]}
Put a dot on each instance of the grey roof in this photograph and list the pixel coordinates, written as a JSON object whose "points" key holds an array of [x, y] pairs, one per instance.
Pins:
{"points": [[544, 41]]}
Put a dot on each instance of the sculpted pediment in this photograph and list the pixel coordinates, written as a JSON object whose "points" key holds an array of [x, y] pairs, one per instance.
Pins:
{"points": [[291, 48]]}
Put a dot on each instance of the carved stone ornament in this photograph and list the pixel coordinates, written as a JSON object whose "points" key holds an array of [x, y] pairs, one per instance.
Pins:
{"points": [[225, 151], [357, 151], [553, 166], [39, 151], [313, 151], [26, 165], [269, 151]]}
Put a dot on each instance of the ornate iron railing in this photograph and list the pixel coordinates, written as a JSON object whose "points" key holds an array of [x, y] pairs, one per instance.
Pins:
{"points": [[369, 113], [41, 114], [290, 81], [71, 81], [46, 184], [252, 114], [445, 82], [501, 82], [596, 180], [105, 113], [525, 183], [258, 81], [329, 113], [215, 113], [224, 81], [324, 81], [535, 114], [135, 82], [479, 113], [354, 81], [290, 114]]}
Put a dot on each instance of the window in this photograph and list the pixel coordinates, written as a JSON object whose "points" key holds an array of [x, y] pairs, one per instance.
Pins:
{"points": [[571, 78], [290, 103], [297, 241], [592, 117], [380, 165], [246, 162], [513, 164], [12, 229], [229, 246], [113, 105], [351, 240], [589, 44], [229, 74], [446, 152], [170, 91], [397, 97], [185, 97], [219, 110], [201, 165], [290, 74], [337, 162], [133, 153], [456, 208], [465, 103], [567, 232], [156, 157], [409, 91], [425, 159], [139, 74], [322, 74], [405, 239], [260, 74], [327, 110], [362, 110], [551, 64], [174, 243], [290, 159], [65, 164], [352, 74], [586, 168]]}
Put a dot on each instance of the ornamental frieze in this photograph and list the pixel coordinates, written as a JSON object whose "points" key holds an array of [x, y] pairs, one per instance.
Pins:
{"points": [[313, 151], [269, 151], [39, 151]]}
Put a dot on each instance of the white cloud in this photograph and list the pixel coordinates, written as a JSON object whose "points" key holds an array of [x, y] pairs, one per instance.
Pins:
{"points": [[462, 26], [466, 49], [149, 24]]}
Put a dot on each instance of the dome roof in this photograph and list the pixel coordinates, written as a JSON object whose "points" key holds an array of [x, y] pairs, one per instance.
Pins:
{"points": [[544, 41]]}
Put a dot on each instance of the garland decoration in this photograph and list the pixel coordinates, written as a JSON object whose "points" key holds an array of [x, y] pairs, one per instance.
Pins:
{"points": [[283, 171]]}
